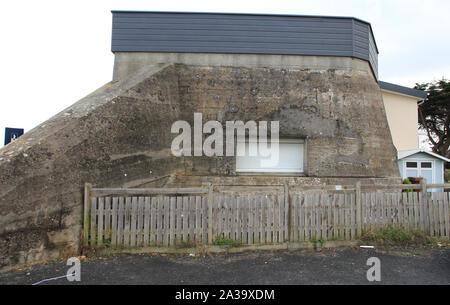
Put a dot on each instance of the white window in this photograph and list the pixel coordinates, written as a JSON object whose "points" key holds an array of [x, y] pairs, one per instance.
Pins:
{"points": [[419, 168], [290, 161]]}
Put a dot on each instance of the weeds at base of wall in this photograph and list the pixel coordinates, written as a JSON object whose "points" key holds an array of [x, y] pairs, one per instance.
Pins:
{"points": [[224, 248], [399, 237]]}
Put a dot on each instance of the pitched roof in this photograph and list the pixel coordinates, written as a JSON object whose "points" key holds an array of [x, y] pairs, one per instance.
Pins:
{"points": [[406, 153], [403, 90]]}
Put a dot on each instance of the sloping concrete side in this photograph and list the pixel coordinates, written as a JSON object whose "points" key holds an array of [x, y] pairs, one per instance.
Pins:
{"points": [[43, 172], [120, 137]]}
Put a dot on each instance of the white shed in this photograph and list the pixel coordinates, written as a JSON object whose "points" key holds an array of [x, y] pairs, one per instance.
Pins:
{"points": [[422, 163]]}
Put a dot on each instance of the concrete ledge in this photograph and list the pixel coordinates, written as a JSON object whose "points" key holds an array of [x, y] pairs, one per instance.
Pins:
{"points": [[225, 249], [128, 63]]}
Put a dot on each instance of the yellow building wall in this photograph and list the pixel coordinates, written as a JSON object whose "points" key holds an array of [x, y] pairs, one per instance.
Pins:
{"points": [[402, 116]]}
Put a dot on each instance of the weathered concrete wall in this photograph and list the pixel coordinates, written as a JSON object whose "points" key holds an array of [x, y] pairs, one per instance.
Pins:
{"points": [[120, 136], [128, 63]]}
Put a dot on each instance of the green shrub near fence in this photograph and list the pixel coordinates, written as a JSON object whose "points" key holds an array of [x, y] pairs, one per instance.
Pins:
{"points": [[407, 181]]}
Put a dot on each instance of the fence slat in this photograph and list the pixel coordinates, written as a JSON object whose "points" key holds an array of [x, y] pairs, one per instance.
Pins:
{"points": [[416, 209], [159, 221], [185, 231], [342, 216], [179, 220], [191, 218], [107, 235], [301, 216], [140, 222], [410, 209], [382, 210], [147, 210], [93, 227], [263, 229], [250, 219], [295, 218], [335, 216], [126, 229], [134, 208], [446, 213], [270, 213], [348, 222], [100, 218], [244, 219], [276, 219], [219, 216], [205, 219], [353, 215], [120, 222], [307, 216], [436, 214], [166, 220], [173, 201], [114, 227], [441, 214], [198, 210], [233, 217], [257, 230], [153, 227]]}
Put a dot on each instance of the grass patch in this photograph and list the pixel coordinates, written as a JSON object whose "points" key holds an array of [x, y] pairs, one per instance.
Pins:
{"points": [[226, 242], [398, 237], [317, 242]]}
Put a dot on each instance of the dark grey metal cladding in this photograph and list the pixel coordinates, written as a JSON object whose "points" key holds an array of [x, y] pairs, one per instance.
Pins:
{"points": [[403, 90], [243, 34], [364, 44]]}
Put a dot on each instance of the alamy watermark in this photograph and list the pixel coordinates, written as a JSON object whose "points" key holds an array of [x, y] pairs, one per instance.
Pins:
{"points": [[374, 272], [72, 275], [213, 145]]}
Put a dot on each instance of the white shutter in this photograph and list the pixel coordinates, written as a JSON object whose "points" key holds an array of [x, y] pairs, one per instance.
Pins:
{"points": [[291, 154]]}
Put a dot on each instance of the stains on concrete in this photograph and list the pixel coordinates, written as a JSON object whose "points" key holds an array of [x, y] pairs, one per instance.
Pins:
{"points": [[120, 136]]}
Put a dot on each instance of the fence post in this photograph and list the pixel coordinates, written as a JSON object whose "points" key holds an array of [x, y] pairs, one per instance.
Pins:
{"points": [[287, 204], [423, 190], [358, 208], [210, 213], [87, 208]]}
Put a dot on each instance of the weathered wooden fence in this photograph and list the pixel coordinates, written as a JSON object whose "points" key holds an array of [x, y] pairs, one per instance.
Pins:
{"points": [[184, 216]]}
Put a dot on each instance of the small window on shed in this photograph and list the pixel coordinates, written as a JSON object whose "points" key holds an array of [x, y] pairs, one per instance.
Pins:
{"points": [[411, 164], [426, 165]]}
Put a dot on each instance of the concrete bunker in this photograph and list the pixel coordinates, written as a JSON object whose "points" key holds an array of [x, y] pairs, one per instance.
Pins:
{"points": [[120, 136]]}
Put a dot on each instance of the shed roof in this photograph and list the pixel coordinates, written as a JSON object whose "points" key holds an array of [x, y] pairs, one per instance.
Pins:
{"points": [[407, 153]]}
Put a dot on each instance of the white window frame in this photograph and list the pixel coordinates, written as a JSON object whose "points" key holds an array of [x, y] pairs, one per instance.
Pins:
{"points": [[419, 168], [302, 172]]}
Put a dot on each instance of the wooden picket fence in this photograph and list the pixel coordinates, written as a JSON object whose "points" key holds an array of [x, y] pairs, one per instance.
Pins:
{"points": [[184, 216]]}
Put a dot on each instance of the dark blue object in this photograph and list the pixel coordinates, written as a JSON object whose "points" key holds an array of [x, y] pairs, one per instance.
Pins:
{"points": [[12, 134], [178, 32]]}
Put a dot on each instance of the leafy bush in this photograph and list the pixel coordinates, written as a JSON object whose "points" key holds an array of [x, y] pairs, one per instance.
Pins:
{"points": [[407, 181]]}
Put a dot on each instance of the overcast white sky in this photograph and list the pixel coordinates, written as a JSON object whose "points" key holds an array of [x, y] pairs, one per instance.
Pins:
{"points": [[54, 53]]}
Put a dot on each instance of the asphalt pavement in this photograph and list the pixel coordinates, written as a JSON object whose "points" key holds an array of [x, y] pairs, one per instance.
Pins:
{"points": [[335, 266]]}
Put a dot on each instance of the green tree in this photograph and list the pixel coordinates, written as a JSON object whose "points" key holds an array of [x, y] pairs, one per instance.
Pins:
{"points": [[434, 115]]}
